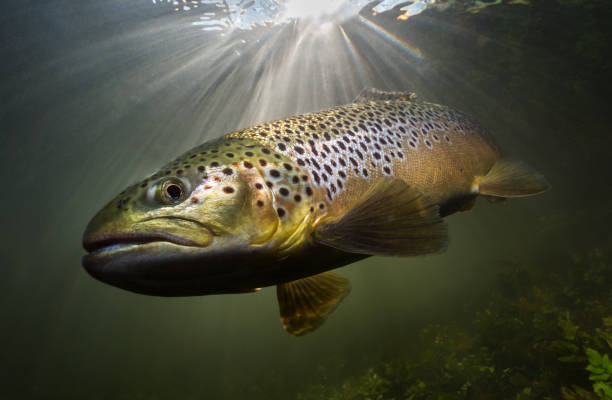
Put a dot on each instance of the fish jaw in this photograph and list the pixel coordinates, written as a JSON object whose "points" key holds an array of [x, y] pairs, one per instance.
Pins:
{"points": [[164, 268]]}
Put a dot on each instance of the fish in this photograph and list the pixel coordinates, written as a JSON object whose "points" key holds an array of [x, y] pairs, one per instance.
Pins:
{"points": [[285, 202]]}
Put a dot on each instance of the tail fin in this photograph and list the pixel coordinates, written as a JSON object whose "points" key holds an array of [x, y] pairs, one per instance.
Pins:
{"points": [[511, 179]]}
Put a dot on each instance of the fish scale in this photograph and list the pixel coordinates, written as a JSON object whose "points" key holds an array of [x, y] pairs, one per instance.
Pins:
{"points": [[347, 148]]}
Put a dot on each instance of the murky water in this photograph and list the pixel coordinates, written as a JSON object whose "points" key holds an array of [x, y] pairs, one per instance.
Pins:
{"points": [[96, 94]]}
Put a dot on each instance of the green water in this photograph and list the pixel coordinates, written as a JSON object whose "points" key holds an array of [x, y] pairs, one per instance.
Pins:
{"points": [[96, 94]]}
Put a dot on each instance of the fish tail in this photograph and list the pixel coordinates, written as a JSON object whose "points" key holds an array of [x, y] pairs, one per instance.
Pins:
{"points": [[510, 179]]}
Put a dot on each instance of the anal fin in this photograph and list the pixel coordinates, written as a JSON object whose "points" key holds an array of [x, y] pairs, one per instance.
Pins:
{"points": [[390, 219], [511, 179], [304, 304]]}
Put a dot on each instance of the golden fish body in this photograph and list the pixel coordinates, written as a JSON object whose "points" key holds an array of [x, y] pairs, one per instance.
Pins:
{"points": [[346, 149], [282, 202]]}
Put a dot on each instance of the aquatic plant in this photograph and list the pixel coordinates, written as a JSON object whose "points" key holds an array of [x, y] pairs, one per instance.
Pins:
{"points": [[600, 368], [542, 334]]}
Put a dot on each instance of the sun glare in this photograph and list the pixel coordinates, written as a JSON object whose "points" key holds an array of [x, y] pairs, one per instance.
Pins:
{"points": [[300, 9]]}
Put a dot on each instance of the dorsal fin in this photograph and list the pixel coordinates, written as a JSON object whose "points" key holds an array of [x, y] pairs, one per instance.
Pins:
{"points": [[304, 304], [371, 94], [390, 219]]}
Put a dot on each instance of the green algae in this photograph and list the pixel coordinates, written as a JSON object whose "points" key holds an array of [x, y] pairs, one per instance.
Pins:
{"points": [[542, 334]]}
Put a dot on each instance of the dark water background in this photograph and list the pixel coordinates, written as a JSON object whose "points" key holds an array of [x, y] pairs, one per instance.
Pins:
{"points": [[96, 94]]}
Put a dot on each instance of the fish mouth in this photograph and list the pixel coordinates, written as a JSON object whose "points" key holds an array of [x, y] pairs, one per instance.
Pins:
{"points": [[109, 242], [161, 264]]}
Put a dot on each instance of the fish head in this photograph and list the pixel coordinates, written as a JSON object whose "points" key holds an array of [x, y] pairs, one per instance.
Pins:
{"points": [[203, 224]]}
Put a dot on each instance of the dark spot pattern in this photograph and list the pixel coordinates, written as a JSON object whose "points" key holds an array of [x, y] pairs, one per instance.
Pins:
{"points": [[311, 157], [362, 140]]}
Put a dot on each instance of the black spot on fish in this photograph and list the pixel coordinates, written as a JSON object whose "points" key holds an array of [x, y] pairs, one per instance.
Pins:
{"points": [[228, 189]]}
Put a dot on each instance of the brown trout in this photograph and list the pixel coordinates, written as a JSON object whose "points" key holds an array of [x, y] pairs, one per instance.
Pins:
{"points": [[283, 202]]}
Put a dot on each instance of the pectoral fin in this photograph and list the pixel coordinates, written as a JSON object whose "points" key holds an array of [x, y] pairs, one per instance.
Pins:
{"points": [[390, 219], [305, 303], [511, 179]]}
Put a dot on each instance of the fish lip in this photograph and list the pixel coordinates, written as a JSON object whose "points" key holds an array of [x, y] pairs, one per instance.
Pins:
{"points": [[162, 268], [100, 243]]}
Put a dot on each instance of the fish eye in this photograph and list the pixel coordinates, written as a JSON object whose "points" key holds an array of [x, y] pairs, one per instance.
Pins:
{"points": [[172, 191]]}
